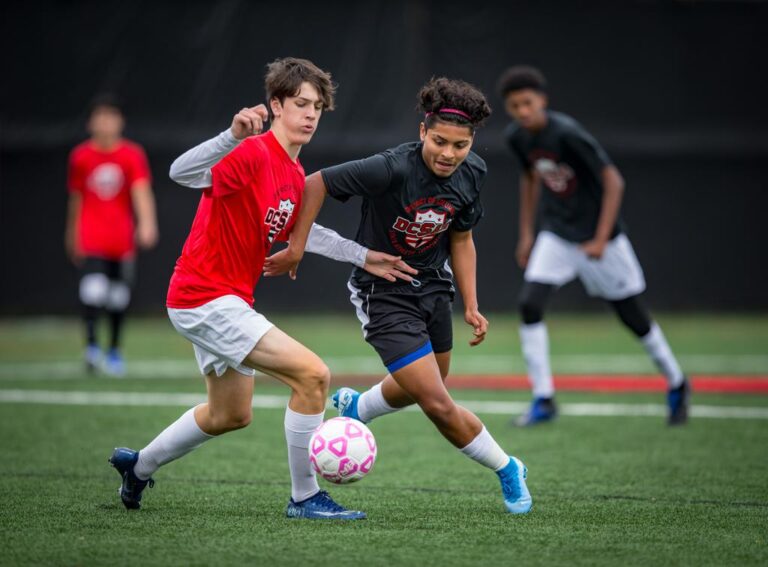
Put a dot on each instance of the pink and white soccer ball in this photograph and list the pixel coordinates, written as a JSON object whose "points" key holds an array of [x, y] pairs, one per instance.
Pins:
{"points": [[342, 450]]}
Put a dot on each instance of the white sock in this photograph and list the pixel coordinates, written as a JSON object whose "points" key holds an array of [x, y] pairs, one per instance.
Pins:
{"points": [[176, 440], [486, 451], [298, 430], [371, 404], [534, 340], [658, 349]]}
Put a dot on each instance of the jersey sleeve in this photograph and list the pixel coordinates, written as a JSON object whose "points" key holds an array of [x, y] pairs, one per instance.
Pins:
{"points": [[234, 171], [75, 176], [139, 167], [367, 177], [469, 216], [587, 149], [515, 148]]}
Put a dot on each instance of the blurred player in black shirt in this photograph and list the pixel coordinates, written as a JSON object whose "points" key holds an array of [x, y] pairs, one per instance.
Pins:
{"points": [[568, 176], [420, 201]]}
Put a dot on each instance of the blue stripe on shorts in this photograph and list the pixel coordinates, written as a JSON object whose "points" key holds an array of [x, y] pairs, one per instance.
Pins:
{"points": [[408, 358]]}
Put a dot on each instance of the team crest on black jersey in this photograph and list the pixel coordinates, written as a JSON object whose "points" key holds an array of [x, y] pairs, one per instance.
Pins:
{"points": [[277, 219], [424, 227], [557, 177]]}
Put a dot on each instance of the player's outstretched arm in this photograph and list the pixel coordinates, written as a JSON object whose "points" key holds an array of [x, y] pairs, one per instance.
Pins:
{"points": [[193, 168], [330, 244], [391, 268], [287, 260], [464, 263]]}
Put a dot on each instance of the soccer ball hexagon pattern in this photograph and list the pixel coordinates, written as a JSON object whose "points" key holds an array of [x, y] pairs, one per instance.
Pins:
{"points": [[342, 450]]}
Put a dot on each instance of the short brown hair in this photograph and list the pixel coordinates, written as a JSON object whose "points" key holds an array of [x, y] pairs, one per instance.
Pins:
{"points": [[285, 76]]}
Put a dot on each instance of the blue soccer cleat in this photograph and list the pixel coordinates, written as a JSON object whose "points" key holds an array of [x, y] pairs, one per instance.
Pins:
{"points": [[124, 460], [114, 365], [542, 410], [321, 507], [93, 358], [516, 496], [678, 400], [345, 400]]}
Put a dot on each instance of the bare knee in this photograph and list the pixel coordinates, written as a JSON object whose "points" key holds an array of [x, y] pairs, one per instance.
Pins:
{"points": [[439, 410], [230, 420], [314, 380]]}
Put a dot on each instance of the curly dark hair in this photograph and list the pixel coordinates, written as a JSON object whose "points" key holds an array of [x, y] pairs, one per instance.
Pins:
{"points": [[521, 77], [442, 93]]}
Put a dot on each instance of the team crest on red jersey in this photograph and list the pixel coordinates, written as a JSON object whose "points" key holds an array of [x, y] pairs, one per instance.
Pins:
{"points": [[277, 219], [424, 227], [106, 180]]}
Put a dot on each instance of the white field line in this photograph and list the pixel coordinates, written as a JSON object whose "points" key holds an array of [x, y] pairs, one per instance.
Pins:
{"points": [[473, 364], [279, 402]]}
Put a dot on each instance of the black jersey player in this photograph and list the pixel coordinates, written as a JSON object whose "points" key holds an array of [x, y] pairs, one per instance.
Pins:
{"points": [[420, 201], [568, 176]]}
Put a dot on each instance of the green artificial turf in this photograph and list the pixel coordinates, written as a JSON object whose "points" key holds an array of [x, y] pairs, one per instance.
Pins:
{"points": [[607, 490]]}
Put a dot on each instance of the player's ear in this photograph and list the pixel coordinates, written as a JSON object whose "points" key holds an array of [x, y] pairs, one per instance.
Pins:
{"points": [[276, 107], [422, 131]]}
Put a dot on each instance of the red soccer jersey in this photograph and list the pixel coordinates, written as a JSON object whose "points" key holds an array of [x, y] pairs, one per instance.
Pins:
{"points": [[105, 179], [255, 191]]}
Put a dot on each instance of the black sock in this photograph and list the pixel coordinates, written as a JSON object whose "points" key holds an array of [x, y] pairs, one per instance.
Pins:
{"points": [[90, 317], [116, 319]]}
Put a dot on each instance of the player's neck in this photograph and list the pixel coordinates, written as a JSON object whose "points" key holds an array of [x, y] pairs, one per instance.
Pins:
{"points": [[541, 124], [291, 149], [105, 143]]}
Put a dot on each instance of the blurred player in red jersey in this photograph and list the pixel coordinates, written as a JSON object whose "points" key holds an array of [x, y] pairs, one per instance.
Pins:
{"points": [[109, 181], [252, 187]]}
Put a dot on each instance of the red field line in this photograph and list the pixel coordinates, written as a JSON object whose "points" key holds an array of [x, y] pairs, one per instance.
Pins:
{"points": [[721, 384]]}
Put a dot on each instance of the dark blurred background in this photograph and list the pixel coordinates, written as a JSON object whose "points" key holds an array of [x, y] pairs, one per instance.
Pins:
{"points": [[674, 90]]}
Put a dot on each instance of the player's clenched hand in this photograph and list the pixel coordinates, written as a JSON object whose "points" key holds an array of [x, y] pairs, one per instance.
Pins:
{"points": [[594, 248], [523, 251], [285, 261], [479, 325], [249, 121], [146, 235], [389, 267]]}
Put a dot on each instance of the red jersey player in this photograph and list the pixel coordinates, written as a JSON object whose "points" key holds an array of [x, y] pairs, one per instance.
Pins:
{"points": [[109, 180], [252, 187]]}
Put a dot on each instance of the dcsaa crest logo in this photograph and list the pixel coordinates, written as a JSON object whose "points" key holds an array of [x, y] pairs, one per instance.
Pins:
{"points": [[277, 219], [424, 227], [286, 205], [556, 176]]}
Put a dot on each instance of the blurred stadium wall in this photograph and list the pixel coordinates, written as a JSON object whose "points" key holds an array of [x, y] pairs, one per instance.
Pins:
{"points": [[673, 89]]}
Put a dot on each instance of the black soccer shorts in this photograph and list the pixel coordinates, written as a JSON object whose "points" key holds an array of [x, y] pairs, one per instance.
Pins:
{"points": [[115, 270], [404, 322]]}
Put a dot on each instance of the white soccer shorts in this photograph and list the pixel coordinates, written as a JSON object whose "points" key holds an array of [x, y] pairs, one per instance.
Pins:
{"points": [[617, 275], [223, 332]]}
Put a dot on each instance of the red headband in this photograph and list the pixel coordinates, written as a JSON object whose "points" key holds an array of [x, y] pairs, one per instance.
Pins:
{"points": [[450, 111]]}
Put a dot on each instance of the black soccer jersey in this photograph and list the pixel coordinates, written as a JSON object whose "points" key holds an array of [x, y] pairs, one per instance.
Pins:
{"points": [[407, 209], [569, 162]]}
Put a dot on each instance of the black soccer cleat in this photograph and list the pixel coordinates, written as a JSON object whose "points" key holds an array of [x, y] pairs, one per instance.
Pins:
{"points": [[678, 400], [124, 460]]}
